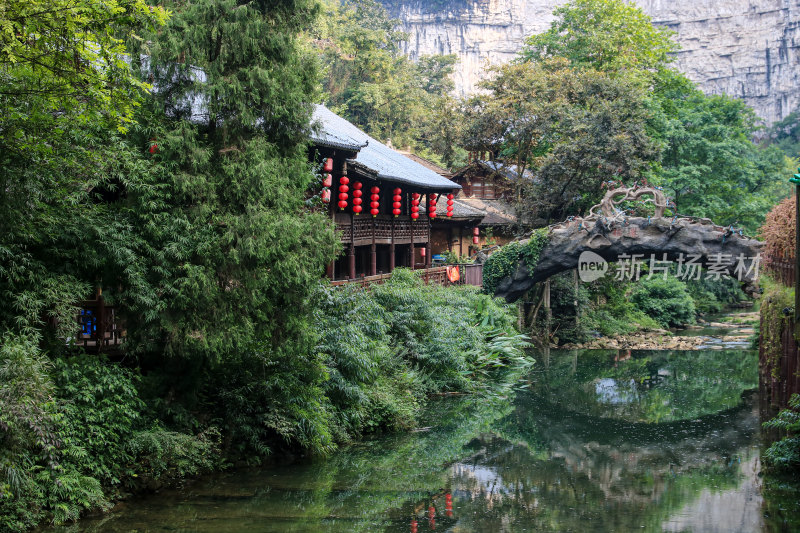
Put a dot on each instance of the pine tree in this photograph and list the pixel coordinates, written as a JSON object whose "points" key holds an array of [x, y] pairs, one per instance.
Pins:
{"points": [[232, 250]]}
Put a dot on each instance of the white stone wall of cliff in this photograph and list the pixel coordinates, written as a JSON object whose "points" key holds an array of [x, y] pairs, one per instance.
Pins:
{"points": [[745, 48]]}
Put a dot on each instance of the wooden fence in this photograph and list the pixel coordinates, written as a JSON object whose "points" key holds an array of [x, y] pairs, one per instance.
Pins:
{"points": [[781, 269], [780, 379], [468, 274]]}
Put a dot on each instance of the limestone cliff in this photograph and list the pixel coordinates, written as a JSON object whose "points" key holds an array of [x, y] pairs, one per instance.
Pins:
{"points": [[745, 48]]}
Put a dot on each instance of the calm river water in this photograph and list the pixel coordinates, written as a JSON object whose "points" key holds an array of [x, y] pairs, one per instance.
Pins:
{"points": [[589, 441]]}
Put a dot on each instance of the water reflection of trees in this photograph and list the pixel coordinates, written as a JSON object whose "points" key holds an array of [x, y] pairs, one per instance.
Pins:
{"points": [[650, 386]]}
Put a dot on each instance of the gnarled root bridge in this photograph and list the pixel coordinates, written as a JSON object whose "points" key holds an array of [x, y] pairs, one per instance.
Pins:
{"points": [[676, 238]]}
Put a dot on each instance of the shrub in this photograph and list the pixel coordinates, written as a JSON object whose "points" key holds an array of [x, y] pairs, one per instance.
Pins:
{"points": [[778, 231], [503, 263], [168, 455], [665, 300], [785, 453]]}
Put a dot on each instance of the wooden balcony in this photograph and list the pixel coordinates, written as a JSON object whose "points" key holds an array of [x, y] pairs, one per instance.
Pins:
{"points": [[385, 228], [98, 327]]}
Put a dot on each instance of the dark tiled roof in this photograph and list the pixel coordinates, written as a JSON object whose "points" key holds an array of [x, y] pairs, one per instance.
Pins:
{"points": [[497, 212], [508, 171], [461, 210], [374, 157]]}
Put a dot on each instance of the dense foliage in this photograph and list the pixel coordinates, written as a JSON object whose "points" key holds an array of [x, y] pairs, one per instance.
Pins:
{"points": [[593, 101], [369, 80], [779, 230], [504, 262], [785, 453]]}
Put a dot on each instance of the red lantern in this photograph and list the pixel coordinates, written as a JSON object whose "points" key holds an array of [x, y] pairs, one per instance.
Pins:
{"points": [[153, 146], [414, 206], [328, 165], [476, 240], [375, 201], [357, 192], [343, 188], [448, 505], [414, 526], [327, 180], [432, 203], [422, 252], [326, 195], [450, 204], [476, 235], [476, 231], [397, 201]]}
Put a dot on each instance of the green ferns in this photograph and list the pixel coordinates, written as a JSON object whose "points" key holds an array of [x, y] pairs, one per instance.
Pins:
{"points": [[785, 454], [503, 263], [387, 348]]}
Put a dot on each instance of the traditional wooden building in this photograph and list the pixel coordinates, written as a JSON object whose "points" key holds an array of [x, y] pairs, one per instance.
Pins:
{"points": [[488, 186], [381, 201]]}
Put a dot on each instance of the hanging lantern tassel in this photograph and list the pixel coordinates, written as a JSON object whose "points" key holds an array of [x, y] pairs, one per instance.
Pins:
{"points": [[375, 201], [432, 210], [450, 205], [357, 192], [397, 201], [415, 206], [343, 188]]}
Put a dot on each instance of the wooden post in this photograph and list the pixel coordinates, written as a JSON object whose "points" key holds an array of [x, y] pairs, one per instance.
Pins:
{"points": [[411, 224], [351, 253], [373, 255], [101, 320], [796, 180], [428, 246], [391, 250], [548, 311]]}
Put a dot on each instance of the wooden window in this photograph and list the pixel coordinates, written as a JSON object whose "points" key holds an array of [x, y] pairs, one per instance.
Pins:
{"points": [[477, 188]]}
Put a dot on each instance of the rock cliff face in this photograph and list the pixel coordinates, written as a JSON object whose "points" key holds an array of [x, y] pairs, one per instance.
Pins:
{"points": [[745, 48]]}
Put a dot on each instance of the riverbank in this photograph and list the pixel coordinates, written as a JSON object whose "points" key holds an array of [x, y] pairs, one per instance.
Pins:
{"points": [[729, 330]]}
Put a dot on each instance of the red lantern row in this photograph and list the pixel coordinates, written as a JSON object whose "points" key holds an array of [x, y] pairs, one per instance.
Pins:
{"points": [[432, 203], [397, 201], [476, 236], [450, 204], [375, 201], [357, 193], [343, 188], [415, 206]]}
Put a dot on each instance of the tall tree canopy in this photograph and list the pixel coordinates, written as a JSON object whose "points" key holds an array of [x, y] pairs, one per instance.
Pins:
{"points": [[571, 128], [66, 89], [607, 35], [633, 109], [368, 80], [231, 251]]}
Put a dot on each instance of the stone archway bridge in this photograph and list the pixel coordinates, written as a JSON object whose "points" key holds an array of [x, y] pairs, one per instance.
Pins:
{"points": [[611, 235]]}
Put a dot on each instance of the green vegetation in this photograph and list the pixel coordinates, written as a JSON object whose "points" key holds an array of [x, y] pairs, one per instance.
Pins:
{"points": [[368, 80], [504, 262], [592, 101], [785, 453]]}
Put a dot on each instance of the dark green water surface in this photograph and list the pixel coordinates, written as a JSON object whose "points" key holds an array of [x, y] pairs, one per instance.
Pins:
{"points": [[589, 441]]}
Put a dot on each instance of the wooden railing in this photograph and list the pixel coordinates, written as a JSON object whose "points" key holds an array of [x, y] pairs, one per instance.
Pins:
{"points": [[781, 268], [469, 274], [99, 328]]}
